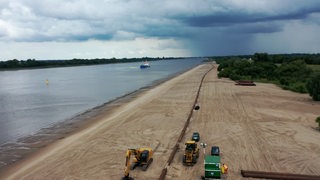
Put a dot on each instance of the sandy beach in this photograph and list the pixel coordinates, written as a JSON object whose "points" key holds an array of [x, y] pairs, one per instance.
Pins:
{"points": [[261, 128]]}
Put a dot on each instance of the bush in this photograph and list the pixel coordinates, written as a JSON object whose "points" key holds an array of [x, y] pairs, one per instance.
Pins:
{"points": [[295, 87], [225, 73], [284, 81], [234, 76], [318, 121], [313, 87], [299, 87]]}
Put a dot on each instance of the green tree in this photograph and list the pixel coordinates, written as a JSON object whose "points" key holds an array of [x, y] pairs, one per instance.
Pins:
{"points": [[13, 63], [225, 73], [313, 87], [297, 70], [264, 57]]}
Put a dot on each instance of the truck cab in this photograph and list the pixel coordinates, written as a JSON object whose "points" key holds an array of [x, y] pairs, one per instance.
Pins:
{"points": [[195, 137]]}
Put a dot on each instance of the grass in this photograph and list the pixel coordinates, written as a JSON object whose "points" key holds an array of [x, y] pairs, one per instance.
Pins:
{"points": [[299, 87], [315, 68]]}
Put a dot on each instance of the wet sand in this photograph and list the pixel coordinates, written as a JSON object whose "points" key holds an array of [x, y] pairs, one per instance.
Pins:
{"points": [[259, 128]]}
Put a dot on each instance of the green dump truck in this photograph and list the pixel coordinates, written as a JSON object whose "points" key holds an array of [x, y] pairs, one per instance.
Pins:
{"points": [[212, 167]]}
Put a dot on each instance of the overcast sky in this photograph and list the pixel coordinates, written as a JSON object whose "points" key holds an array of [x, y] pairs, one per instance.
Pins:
{"points": [[65, 29]]}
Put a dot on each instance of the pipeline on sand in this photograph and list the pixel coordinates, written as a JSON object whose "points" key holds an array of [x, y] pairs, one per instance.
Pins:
{"points": [[176, 147]]}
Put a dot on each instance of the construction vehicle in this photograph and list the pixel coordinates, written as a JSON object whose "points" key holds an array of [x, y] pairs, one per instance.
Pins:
{"points": [[142, 157], [212, 167], [215, 151], [191, 153], [195, 137]]}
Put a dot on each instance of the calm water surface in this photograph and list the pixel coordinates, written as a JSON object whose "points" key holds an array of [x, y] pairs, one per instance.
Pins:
{"points": [[28, 103]]}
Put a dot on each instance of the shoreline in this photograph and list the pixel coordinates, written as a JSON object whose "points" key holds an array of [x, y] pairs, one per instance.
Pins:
{"points": [[12, 153]]}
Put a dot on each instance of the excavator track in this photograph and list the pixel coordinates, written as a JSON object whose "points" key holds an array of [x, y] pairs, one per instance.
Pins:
{"points": [[145, 167], [127, 178]]}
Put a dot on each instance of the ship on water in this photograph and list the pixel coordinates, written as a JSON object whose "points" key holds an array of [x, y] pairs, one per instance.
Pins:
{"points": [[145, 65]]}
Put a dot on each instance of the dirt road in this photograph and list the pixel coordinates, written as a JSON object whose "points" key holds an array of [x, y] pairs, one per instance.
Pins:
{"points": [[257, 128]]}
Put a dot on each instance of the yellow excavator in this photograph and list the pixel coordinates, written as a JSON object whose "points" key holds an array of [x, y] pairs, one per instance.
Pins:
{"points": [[191, 153], [142, 157]]}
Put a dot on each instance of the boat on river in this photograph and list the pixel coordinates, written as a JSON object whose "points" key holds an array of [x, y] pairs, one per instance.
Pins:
{"points": [[145, 65]]}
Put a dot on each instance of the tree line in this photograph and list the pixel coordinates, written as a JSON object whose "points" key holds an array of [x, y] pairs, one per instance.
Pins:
{"points": [[32, 63], [277, 58], [291, 72]]}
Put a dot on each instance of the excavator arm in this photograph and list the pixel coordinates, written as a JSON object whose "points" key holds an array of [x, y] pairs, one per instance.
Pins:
{"points": [[127, 167], [128, 162]]}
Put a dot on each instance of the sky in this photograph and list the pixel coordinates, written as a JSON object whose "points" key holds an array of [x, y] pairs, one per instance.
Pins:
{"points": [[66, 29]]}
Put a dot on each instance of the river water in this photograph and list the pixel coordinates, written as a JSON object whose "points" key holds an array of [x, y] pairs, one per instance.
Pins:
{"points": [[39, 98]]}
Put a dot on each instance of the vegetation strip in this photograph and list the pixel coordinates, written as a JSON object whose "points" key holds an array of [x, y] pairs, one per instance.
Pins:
{"points": [[299, 73], [176, 146]]}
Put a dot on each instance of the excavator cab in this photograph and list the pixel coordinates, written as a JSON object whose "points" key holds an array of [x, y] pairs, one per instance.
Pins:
{"points": [[145, 156]]}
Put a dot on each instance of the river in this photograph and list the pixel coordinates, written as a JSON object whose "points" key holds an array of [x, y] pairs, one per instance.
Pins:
{"points": [[39, 98]]}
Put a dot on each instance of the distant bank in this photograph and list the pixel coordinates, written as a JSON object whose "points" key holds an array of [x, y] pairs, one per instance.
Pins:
{"points": [[32, 63]]}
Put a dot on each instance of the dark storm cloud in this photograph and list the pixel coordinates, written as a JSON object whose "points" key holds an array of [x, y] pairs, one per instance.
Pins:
{"points": [[238, 17], [204, 26], [161, 31], [84, 20]]}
